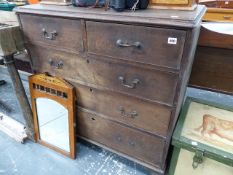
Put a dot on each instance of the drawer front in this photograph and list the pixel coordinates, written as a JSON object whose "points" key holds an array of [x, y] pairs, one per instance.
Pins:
{"points": [[133, 143], [224, 17], [131, 111], [156, 46], [144, 83], [59, 32]]}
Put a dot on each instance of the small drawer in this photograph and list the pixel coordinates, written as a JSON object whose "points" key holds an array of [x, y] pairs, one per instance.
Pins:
{"points": [[151, 84], [218, 16], [148, 45], [150, 117], [59, 32], [136, 144]]}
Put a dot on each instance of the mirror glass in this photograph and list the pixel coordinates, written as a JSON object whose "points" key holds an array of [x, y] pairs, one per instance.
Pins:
{"points": [[53, 123]]}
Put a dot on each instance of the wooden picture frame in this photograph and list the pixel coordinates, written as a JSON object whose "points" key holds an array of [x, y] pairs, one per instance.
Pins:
{"points": [[58, 90], [183, 139]]}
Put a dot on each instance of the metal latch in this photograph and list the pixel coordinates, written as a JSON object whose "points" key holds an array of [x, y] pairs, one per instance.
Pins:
{"points": [[198, 158]]}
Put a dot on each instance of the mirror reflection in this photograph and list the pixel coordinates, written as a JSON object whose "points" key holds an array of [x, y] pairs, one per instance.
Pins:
{"points": [[53, 123]]}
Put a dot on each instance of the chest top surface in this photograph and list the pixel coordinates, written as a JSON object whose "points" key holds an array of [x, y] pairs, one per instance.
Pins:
{"points": [[189, 19]]}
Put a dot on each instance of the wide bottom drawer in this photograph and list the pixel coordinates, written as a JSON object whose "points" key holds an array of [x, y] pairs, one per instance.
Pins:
{"points": [[140, 146]]}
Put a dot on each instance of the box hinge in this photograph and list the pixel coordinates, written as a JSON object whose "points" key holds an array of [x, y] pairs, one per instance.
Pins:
{"points": [[198, 158]]}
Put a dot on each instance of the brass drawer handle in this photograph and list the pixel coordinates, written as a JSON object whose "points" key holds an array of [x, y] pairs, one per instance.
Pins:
{"points": [[130, 86], [131, 114], [50, 36], [58, 65], [120, 43], [227, 17]]}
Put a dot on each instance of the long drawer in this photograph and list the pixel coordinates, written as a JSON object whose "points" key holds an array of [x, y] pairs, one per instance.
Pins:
{"points": [[149, 84], [148, 45], [58, 32], [141, 146], [131, 111]]}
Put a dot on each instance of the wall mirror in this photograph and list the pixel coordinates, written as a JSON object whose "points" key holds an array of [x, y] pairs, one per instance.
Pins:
{"points": [[53, 113]]}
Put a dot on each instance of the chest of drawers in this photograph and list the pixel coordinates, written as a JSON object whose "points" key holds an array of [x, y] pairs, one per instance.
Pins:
{"points": [[130, 71]]}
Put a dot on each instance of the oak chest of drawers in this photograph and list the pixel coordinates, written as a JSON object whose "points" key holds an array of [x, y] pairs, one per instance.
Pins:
{"points": [[130, 71]]}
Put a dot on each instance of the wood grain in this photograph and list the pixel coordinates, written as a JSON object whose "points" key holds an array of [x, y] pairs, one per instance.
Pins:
{"points": [[33, 26], [153, 48], [174, 4], [131, 142], [213, 69], [214, 39], [219, 14], [172, 18], [151, 118], [106, 74]]}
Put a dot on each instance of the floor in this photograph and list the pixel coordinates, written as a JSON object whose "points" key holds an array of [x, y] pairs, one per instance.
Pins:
{"points": [[31, 158]]}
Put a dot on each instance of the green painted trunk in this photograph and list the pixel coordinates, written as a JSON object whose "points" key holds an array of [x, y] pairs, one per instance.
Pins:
{"points": [[204, 129]]}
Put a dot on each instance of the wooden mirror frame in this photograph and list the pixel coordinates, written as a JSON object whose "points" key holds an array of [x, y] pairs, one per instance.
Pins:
{"points": [[44, 86]]}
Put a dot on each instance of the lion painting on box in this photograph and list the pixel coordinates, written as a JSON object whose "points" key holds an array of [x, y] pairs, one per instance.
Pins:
{"points": [[212, 125]]}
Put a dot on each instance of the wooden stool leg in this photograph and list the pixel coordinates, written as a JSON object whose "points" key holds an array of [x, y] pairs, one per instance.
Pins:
{"points": [[21, 95]]}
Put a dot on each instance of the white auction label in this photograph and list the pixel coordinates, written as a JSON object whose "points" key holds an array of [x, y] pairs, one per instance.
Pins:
{"points": [[172, 40]]}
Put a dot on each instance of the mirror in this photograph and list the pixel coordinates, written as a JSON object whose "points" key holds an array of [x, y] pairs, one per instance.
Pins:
{"points": [[53, 112], [53, 123]]}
